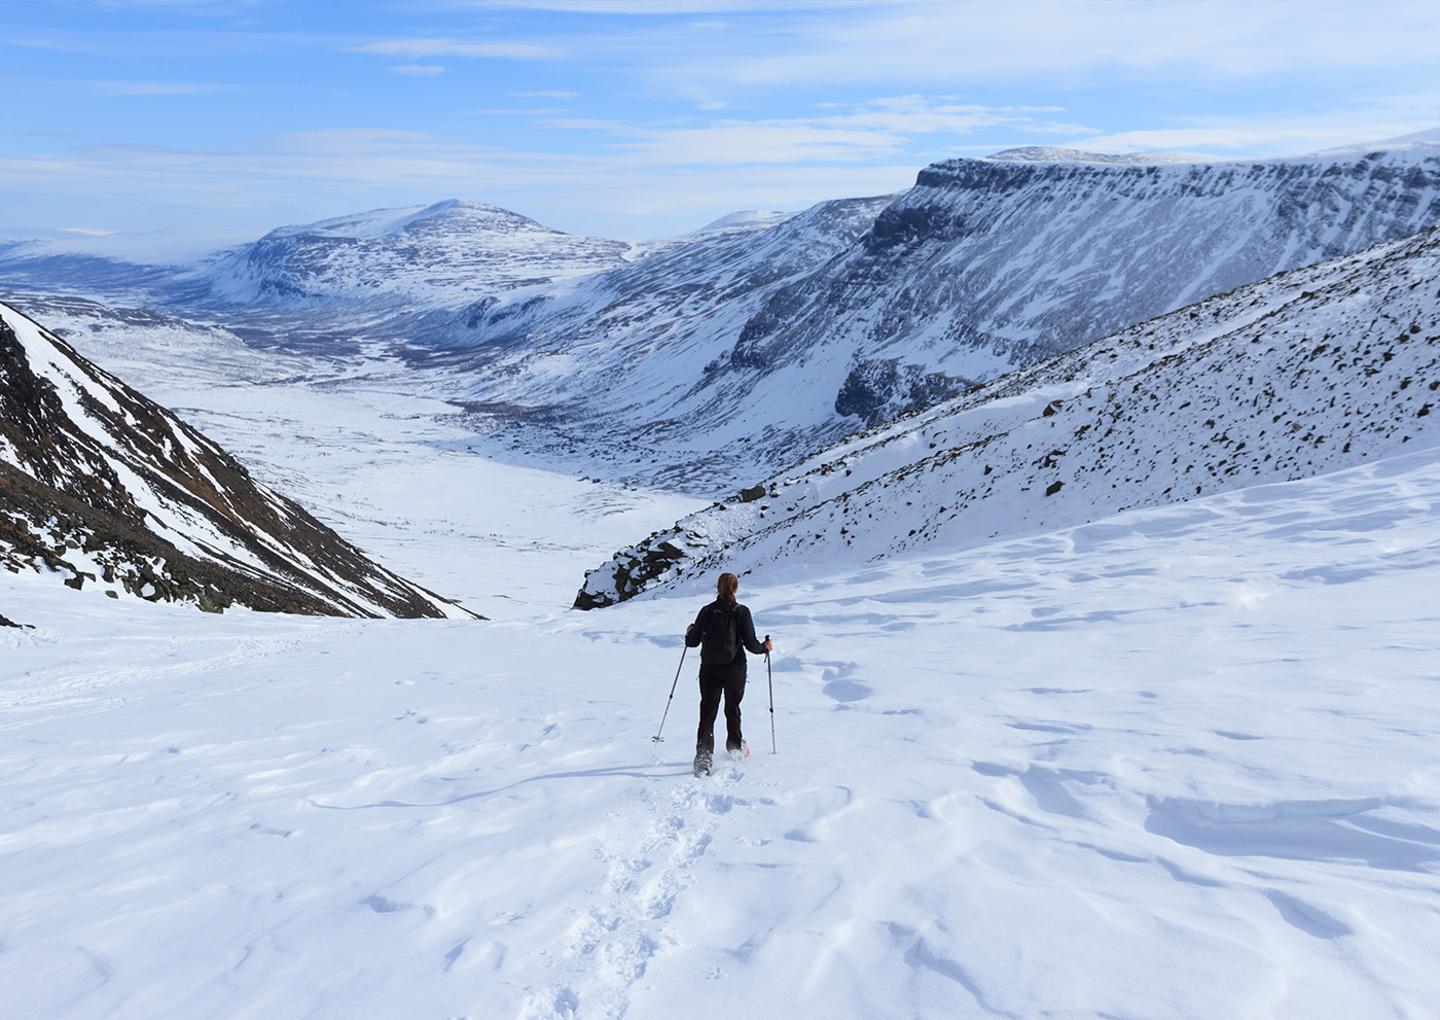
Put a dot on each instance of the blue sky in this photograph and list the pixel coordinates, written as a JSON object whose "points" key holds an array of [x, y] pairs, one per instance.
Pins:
{"points": [[213, 122]]}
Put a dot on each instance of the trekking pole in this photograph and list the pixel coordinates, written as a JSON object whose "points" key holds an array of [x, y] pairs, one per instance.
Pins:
{"points": [[657, 738], [770, 678]]}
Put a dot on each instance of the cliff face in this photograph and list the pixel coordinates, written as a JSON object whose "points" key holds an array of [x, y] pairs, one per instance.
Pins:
{"points": [[991, 264]]}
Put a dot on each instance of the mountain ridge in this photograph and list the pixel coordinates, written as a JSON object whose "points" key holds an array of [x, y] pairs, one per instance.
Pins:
{"points": [[103, 486], [1308, 371]]}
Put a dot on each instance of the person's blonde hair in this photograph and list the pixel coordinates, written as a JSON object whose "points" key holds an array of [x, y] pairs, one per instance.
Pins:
{"points": [[726, 587]]}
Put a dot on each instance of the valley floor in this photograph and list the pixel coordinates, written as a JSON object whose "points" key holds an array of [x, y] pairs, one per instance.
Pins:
{"points": [[1177, 763]]}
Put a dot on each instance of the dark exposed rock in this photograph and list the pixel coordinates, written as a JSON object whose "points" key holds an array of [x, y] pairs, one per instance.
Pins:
{"points": [[98, 477], [877, 391], [651, 559]]}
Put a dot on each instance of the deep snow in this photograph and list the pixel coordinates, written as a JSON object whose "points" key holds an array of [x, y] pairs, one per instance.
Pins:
{"points": [[1173, 763]]}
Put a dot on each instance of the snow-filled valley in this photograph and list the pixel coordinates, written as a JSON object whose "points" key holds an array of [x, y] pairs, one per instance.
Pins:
{"points": [[1104, 689], [1173, 763]]}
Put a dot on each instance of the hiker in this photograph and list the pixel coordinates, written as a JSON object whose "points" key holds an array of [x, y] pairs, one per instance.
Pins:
{"points": [[722, 631]]}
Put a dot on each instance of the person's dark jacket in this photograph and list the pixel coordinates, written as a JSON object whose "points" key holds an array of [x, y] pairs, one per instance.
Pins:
{"points": [[744, 630]]}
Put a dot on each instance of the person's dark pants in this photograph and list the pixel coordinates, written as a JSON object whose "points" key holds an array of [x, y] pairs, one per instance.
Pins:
{"points": [[711, 687]]}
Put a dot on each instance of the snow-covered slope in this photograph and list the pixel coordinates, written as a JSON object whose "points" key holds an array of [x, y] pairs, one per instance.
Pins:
{"points": [[990, 264], [986, 265], [52, 267], [1177, 764], [1308, 371], [99, 485], [626, 357], [439, 255]]}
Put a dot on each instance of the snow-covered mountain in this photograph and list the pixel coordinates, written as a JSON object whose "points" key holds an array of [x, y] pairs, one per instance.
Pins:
{"points": [[990, 264], [627, 356], [986, 265], [440, 255], [54, 268], [1312, 370], [101, 486]]}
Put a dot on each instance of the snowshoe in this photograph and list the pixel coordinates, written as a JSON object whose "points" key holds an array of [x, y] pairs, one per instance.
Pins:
{"points": [[739, 753], [702, 763]]}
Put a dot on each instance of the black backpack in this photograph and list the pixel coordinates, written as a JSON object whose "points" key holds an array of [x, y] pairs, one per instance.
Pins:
{"points": [[720, 641]]}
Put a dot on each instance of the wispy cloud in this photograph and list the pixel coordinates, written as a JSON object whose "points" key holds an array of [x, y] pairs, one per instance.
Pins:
{"points": [[878, 129], [1279, 132], [87, 231], [306, 175], [163, 88], [940, 41], [545, 94], [653, 8], [418, 70], [443, 47]]}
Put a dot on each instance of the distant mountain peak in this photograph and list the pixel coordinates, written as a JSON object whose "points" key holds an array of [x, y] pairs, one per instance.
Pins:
{"points": [[1415, 140], [746, 218], [380, 223]]}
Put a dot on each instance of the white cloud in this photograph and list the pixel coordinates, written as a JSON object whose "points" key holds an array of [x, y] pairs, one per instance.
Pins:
{"points": [[87, 231], [1277, 133], [304, 176], [662, 7], [545, 94], [878, 129], [938, 41], [420, 70]]}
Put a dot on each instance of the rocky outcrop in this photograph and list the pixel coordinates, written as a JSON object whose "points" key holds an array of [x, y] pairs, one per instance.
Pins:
{"points": [[101, 486]]}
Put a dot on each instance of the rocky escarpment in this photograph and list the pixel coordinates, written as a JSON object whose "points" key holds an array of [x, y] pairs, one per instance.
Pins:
{"points": [[1307, 372], [100, 486], [990, 264]]}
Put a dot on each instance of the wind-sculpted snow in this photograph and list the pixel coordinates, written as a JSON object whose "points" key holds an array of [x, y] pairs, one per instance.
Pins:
{"points": [[435, 256], [100, 486], [1310, 371], [1179, 763]]}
